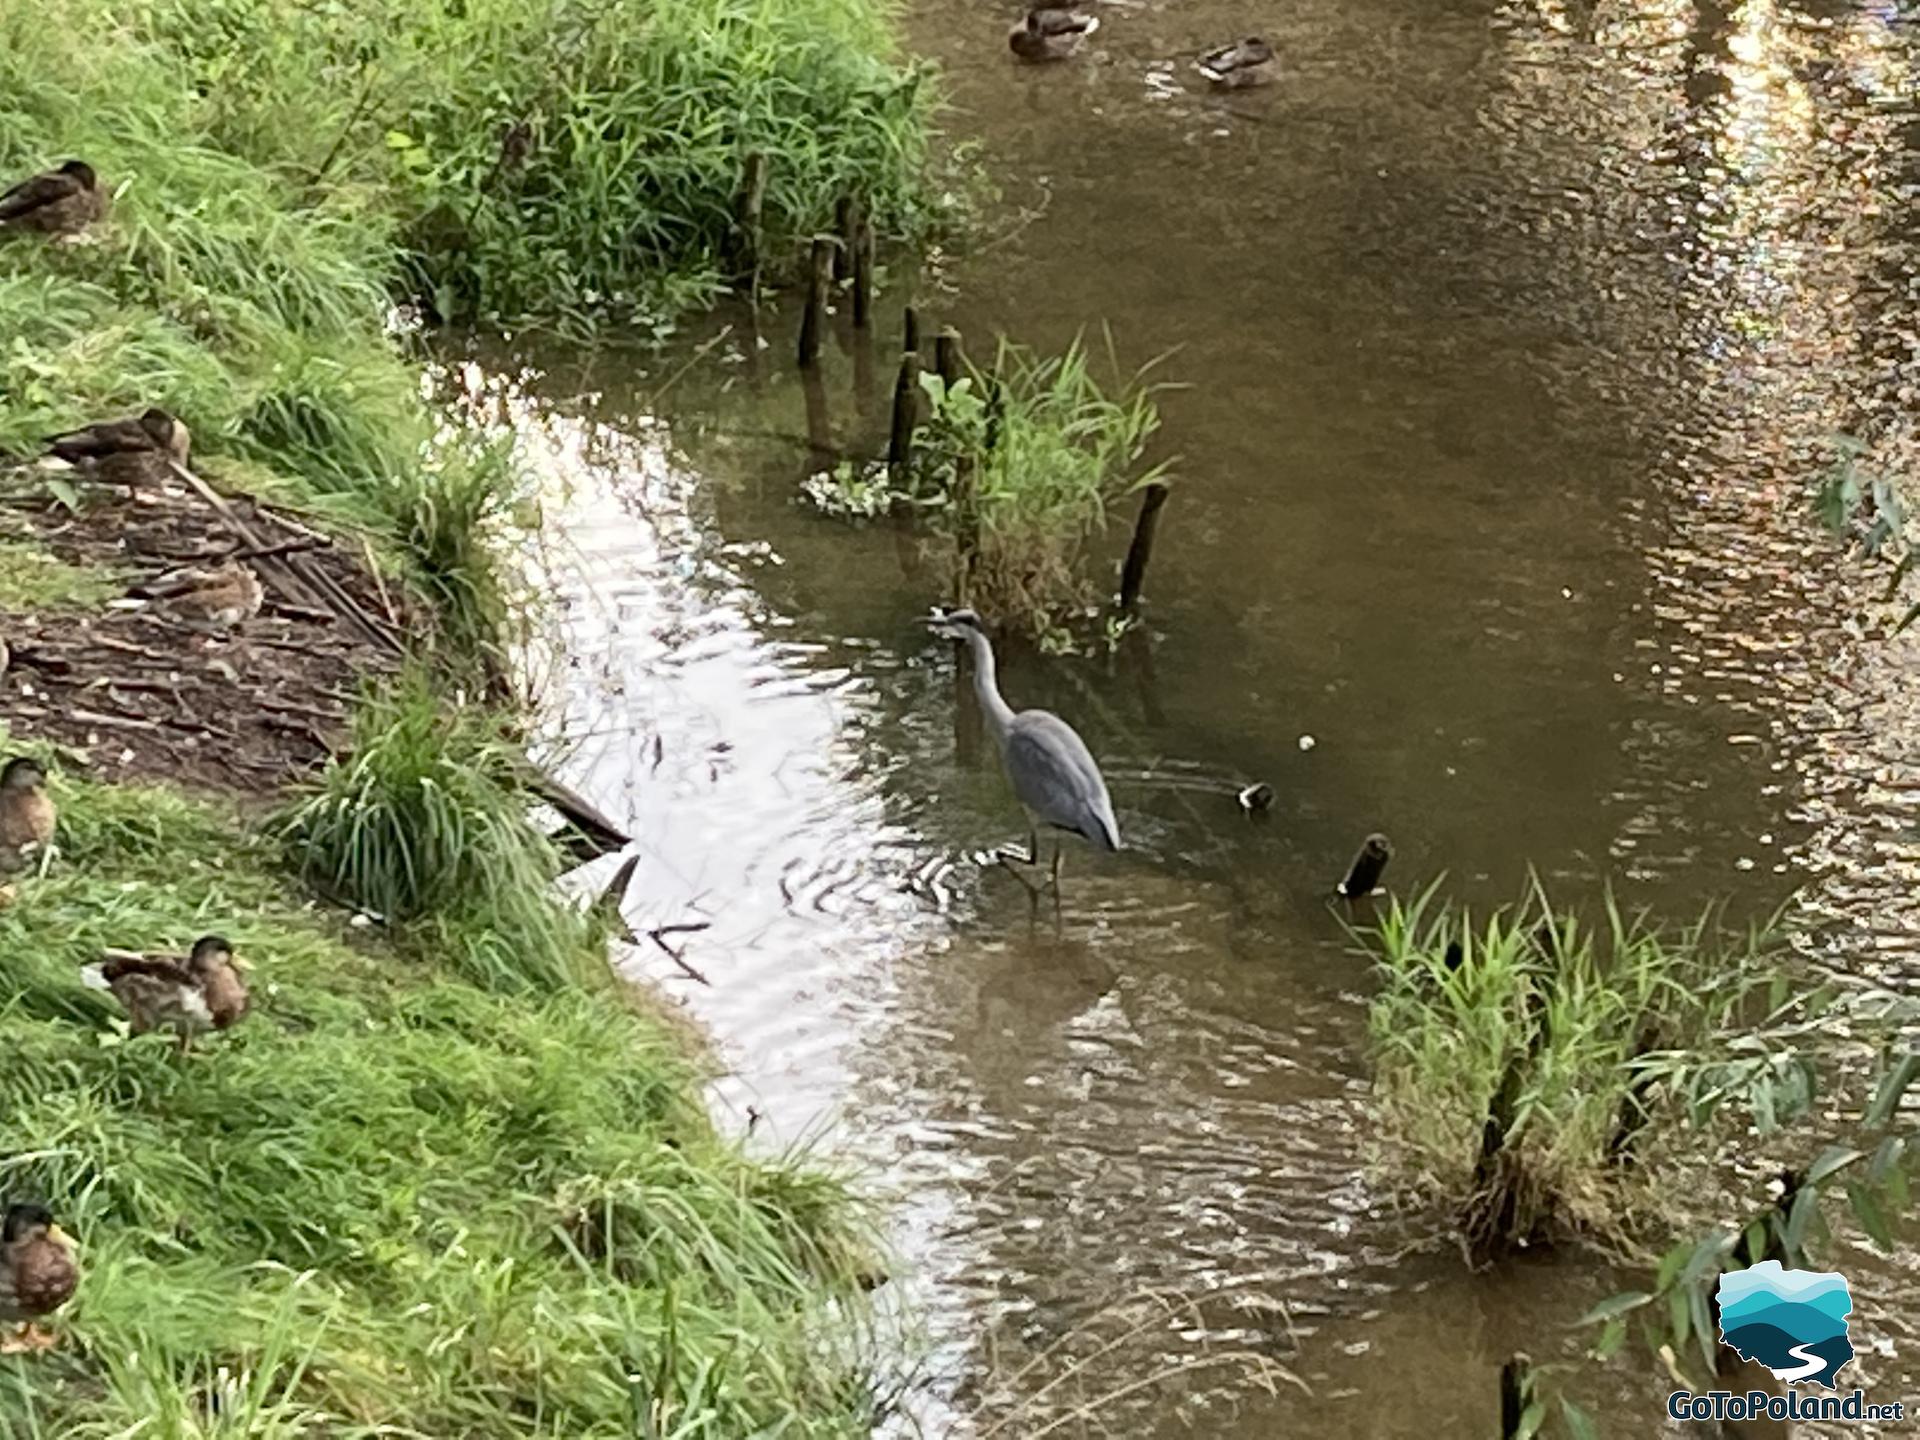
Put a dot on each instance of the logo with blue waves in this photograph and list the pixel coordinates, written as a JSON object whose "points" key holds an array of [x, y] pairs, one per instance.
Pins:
{"points": [[1794, 1322]]}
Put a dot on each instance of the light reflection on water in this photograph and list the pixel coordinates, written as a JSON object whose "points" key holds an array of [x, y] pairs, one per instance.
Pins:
{"points": [[1514, 335]]}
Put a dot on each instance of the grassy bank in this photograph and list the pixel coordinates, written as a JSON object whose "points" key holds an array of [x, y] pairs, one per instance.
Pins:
{"points": [[400, 1199], [449, 1178]]}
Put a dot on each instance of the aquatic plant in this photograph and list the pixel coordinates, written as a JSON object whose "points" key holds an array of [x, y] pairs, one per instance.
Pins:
{"points": [[393, 1201], [1537, 1074], [1021, 464]]}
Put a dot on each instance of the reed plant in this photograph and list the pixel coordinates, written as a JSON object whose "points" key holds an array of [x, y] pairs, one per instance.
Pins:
{"points": [[1018, 470], [1543, 1077]]}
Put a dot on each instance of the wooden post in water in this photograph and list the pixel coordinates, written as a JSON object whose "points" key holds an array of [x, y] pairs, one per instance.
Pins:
{"points": [[906, 399], [1513, 1398], [1368, 866], [1133, 574], [906, 411], [813, 325], [846, 219], [863, 273], [753, 196]]}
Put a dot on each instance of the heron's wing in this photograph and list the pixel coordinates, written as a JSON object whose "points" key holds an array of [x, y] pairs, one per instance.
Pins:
{"points": [[36, 191], [1054, 776]]}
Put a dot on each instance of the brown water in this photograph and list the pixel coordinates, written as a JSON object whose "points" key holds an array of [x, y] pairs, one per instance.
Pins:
{"points": [[1511, 336]]}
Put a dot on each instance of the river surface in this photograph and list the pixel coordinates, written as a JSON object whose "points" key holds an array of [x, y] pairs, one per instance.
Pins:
{"points": [[1511, 337]]}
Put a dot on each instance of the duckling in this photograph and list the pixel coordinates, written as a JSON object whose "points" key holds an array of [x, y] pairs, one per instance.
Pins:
{"points": [[60, 202], [126, 452], [27, 812], [38, 1273], [202, 992], [221, 597], [1050, 34], [1245, 62]]}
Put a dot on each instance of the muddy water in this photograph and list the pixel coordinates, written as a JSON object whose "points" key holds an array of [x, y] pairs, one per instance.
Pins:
{"points": [[1510, 335]]}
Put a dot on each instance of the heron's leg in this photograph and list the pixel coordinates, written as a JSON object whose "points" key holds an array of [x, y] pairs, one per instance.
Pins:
{"points": [[1058, 849], [1007, 855]]}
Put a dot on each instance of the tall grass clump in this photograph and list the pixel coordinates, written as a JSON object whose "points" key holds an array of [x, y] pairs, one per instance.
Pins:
{"points": [[1543, 1077], [424, 822], [393, 1201], [575, 161], [1022, 465], [1018, 470]]}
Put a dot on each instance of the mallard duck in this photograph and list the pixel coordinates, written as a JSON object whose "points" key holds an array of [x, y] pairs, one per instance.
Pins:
{"points": [[1050, 34], [223, 596], [55, 202], [1245, 62], [38, 1273], [202, 992], [27, 812], [1256, 799], [126, 452]]}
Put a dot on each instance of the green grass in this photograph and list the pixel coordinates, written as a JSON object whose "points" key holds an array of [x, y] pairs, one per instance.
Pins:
{"points": [[425, 823], [393, 1201], [631, 121], [32, 578], [1018, 469], [1546, 1035]]}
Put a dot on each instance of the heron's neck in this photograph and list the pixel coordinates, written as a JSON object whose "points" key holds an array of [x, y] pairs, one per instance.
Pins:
{"points": [[987, 686]]}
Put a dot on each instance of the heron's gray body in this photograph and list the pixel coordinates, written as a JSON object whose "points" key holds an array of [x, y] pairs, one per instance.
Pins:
{"points": [[1055, 779], [1052, 772]]}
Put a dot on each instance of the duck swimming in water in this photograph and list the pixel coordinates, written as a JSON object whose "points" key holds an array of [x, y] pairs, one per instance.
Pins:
{"points": [[1050, 34], [1245, 62]]}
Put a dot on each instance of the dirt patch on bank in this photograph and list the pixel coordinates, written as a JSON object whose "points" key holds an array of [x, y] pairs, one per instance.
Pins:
{"points": [[137, 694]]}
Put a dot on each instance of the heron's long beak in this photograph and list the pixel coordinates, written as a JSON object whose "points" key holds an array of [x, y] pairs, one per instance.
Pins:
{"points": [[58, 1236]]}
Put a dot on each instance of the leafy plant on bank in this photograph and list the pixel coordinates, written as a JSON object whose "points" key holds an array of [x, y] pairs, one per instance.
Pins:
{"points": [[1544, 1078], [574, 162]]}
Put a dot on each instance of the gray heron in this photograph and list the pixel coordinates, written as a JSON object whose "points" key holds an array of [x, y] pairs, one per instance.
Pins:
{"points": [[1052, 772]]}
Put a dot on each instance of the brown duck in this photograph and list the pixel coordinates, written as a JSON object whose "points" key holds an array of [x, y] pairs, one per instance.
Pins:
{"points": [[1050, 34], [202, 992], [126, 452], [1233, 67], [222, 596], [38, 1273], [27, 812], [55, 202]]}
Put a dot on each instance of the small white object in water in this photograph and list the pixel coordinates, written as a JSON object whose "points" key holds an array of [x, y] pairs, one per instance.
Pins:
{"points": [[1307, 742]]}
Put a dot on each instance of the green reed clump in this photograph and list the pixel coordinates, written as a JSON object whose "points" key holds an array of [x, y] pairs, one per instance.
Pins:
{"points": [[1534, 1071], [393, 1201], [1021, 464]]}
